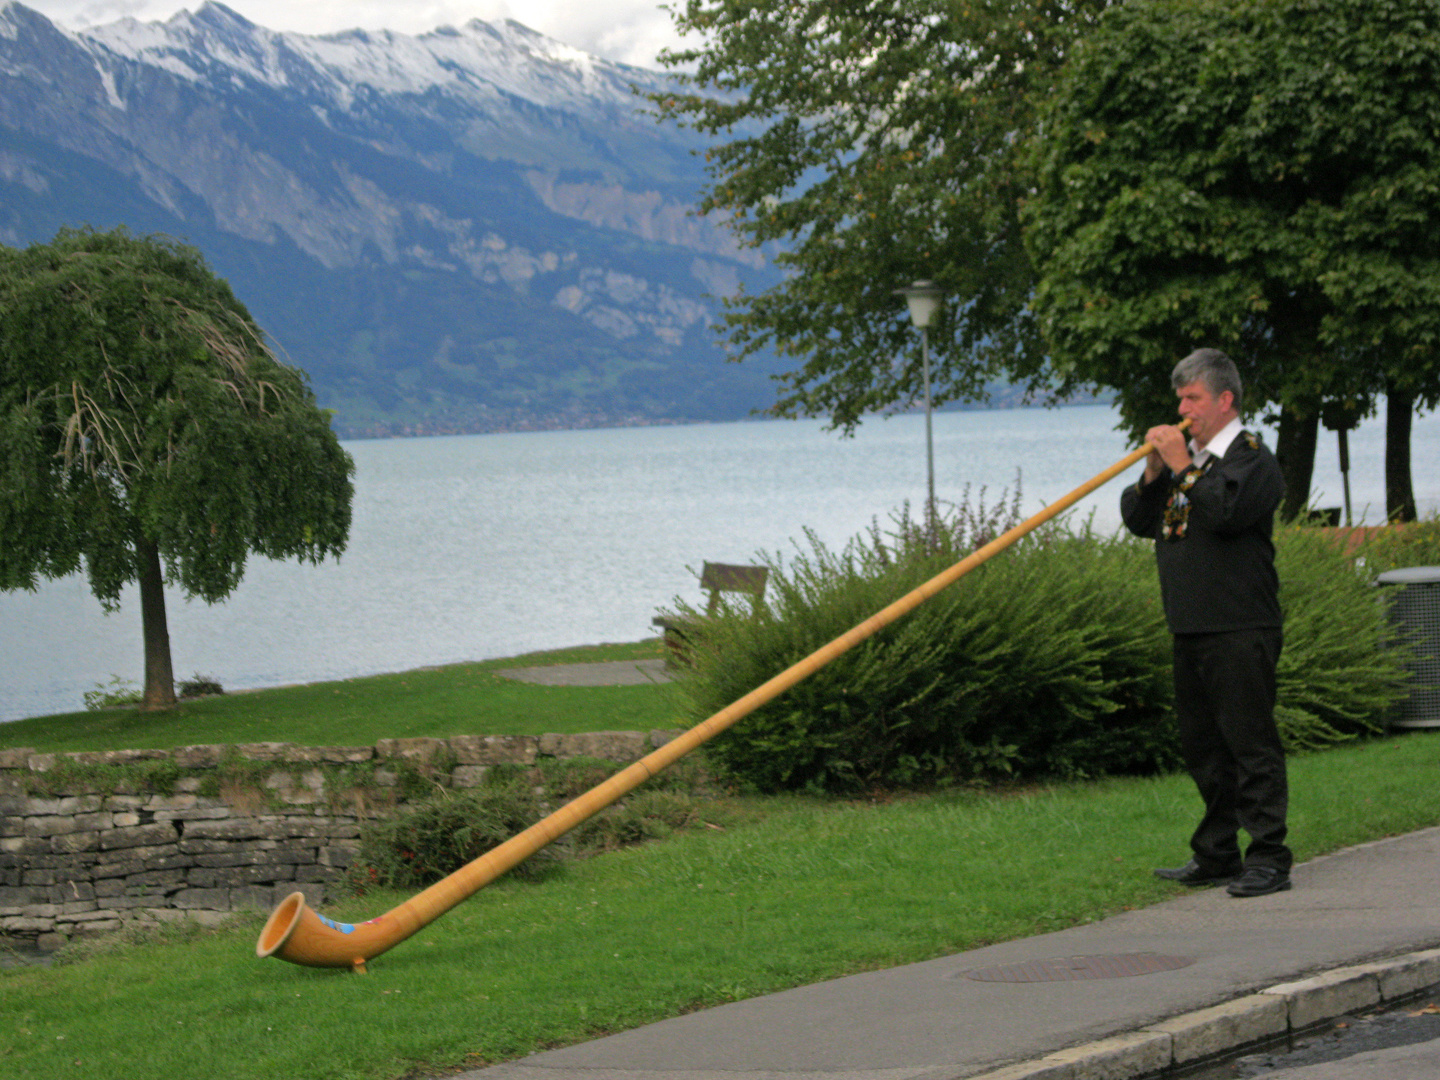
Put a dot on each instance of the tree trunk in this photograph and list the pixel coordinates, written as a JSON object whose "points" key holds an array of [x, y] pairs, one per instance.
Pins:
{"points": [[1399, 490], [1295, 451], [159, 675]]}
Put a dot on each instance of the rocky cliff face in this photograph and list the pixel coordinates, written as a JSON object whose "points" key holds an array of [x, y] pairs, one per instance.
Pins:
{"points": [[472, 229]]}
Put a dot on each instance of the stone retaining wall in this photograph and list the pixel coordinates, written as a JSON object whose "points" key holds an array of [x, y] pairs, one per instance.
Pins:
{"points": [[81, 857]]}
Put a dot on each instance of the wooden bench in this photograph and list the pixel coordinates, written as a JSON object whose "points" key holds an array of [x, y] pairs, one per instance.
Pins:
{"points": [[715, 579]]}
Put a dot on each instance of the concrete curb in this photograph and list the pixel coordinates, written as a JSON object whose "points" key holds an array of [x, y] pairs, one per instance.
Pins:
{"points": [[1286, 1008]]}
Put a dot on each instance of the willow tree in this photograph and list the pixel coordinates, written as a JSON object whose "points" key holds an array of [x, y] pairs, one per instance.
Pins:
{"points": [[864, 145], [1256, 175], [148, 433]]}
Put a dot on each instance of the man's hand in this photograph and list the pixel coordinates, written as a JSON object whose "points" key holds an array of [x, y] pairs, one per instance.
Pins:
{"points": [[1168, 448]]}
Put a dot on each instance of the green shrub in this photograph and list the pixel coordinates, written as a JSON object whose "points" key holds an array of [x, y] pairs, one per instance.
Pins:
{"points": [[115, 693], [1044, 661], [1052, 659], [564, 779], [567, 778], [1414, 544], [198, 686], [424, 842], [1337, 676], [435, 836], [645, 815]]}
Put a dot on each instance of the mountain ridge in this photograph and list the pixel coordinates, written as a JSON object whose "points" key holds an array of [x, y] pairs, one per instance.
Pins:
{"points": [[471, 229]]}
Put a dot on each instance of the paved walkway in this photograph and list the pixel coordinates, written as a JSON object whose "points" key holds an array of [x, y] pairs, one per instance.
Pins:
{"points": [[607, 673], [1167, 985]]}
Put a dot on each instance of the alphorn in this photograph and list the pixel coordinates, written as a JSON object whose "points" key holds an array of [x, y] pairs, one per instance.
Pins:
{"points": [[297, 933]]}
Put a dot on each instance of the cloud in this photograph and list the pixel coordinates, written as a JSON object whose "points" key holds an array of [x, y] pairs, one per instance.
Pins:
{"points": [[630, 31]]}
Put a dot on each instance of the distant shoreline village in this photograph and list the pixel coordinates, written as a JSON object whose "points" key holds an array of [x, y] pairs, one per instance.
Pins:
{"points": [[492, 423]]}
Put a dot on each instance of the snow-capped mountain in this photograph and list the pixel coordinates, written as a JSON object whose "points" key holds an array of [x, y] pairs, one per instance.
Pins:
{"points": [[469, 229]]}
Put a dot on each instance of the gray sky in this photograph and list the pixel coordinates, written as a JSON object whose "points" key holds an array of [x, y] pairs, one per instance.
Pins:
{"points": [[630, 31]]}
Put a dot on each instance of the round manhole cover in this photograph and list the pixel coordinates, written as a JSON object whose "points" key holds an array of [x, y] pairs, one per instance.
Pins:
{"points": [[1067, 968]]}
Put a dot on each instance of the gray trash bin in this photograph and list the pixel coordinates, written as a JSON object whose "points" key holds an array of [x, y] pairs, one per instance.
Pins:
{"points": [[1415, 617]]}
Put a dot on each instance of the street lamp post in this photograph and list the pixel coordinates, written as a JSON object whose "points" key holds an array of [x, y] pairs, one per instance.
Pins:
{"points": [[923, 299], [1342, 416]]}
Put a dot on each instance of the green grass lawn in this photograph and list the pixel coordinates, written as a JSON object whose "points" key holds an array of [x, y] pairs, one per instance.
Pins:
{"points": [[457, 699], [759, 896]]}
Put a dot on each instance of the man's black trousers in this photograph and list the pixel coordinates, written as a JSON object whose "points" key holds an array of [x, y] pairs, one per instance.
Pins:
{"points": [[1225, 705]]}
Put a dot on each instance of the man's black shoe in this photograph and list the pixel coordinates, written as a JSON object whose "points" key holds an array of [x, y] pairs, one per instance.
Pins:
{"points": [[1192, 873], [1259, 881]]}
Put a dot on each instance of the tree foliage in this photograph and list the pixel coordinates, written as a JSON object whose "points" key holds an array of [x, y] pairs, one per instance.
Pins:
{"points": [[1252, 175], [1259, 176], [144, 421], [872, 143]]}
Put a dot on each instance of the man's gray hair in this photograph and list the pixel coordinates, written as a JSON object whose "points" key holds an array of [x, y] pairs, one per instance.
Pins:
{"points": [[1211, 367]]}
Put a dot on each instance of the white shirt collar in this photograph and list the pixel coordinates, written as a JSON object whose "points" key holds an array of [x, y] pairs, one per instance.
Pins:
{"points": [[1217, 445]]}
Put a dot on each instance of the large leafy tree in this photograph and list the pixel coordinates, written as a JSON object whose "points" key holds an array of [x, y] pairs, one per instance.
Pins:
{"points": [[147, 432], [866, 144], [1257, 175]]}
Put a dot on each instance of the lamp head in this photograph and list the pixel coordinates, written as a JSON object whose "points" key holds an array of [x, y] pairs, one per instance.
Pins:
{"points": [[923, 299]]}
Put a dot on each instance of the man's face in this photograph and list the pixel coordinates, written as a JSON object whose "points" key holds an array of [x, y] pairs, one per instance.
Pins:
{"points": [[1207, 412]]}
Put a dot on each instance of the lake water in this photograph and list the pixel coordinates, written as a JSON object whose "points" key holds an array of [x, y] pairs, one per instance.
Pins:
{"points": [[473, 547]]}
